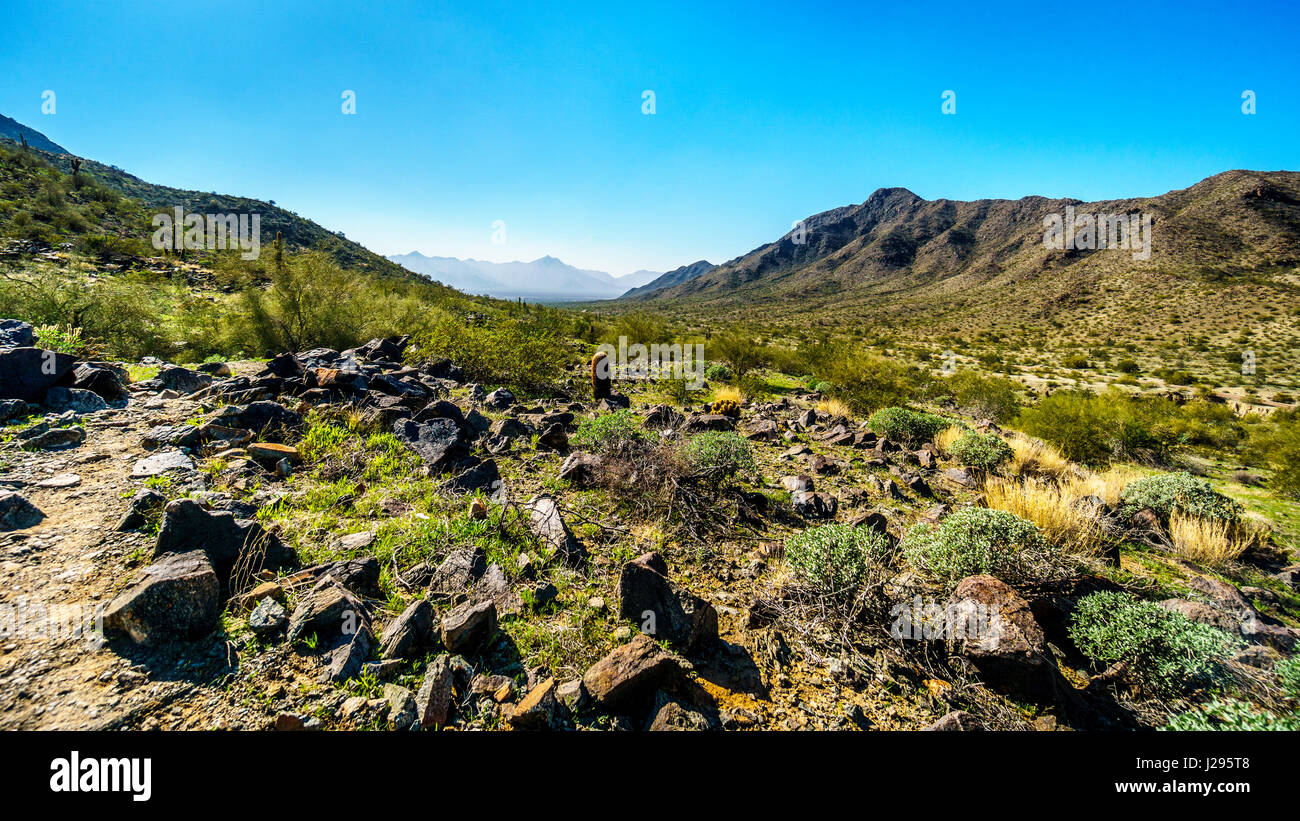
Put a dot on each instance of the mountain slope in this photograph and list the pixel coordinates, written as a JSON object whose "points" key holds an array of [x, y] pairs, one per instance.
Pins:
{"points": [[983, 263], [11, 129], [677, 276], [298, 232]]}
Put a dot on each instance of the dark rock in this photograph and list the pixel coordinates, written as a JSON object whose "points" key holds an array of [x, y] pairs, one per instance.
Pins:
{"points": [[663, 417], [361, 575], [268, 619], [554, 438], [500, 399], [176, 598], [631, 674], [459, 571], [16, 513], [328, 611], [186, 526], [510, 428], [183, 380], [483, 476], [546, 523], [346, 660], [662, 608], [14, 333], [581, 468], [814, 505], [407, 633], [469, 627], [27, 373], [434, 701], [995, 628], [102, 381], [438, 442]]}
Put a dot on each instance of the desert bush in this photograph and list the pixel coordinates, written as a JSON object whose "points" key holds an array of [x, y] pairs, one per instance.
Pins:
{"points": [[718, 372], [991, 397], [65, 339], [868, 382], [1231, 716], [837, 558], [1212, 543], [610, 433], [718, 454], [1164, 652], [1108, 485], [499, 351], [1288, 674], [1093, 429], [1168, 493], [738, 350], [979, 540], [1053, 511], [985, 451], [907, 426], [1278, 446]]}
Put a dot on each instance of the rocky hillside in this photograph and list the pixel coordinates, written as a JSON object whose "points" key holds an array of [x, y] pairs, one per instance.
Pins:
{"points": [[677, 276], [1235, 236], [26, 183], [366, 539]]}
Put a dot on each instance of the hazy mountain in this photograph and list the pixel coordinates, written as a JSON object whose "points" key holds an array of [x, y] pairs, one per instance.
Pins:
{"points": [[674, 277], [546, 279], [11, 129]]}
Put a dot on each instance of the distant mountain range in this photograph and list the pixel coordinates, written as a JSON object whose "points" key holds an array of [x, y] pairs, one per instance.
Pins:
{"points": [[543, 280]]}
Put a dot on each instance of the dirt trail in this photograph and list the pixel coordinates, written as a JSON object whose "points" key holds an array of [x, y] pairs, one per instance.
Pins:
{"points": [[67, 564]]}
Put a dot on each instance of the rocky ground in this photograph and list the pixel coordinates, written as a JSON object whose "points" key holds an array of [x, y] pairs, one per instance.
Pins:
{"points": [[362, 539]]}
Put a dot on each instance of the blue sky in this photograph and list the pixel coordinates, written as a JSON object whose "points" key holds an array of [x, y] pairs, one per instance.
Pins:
{"points": [[469, 113]]}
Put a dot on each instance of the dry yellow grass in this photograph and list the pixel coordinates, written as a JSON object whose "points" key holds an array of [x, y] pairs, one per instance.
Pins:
{"points": [[1033, 457], [1204, 541], [1106, 486], [947, 436], [726, 392], [1050, 507], [834, 407]]}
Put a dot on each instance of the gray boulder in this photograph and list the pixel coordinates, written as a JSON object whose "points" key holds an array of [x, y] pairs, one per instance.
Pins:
{"points": [[176, 598]]}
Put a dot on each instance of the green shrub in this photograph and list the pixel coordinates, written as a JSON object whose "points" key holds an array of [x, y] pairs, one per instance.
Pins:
{"points": [[991, 397], [1128, 366], [868, 382], [1231, 715], [1278, 447], [1169, 493], [738, 350], [1093, 429], [907, 426], [978, 540], [1077, 362], [1166, 652], [836, 558], [1288, 674], [718, 454], [616, 432], [981, 450], [718, 372]]}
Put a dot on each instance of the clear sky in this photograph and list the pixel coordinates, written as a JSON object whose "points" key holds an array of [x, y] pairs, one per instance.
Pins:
{"points": [[473, 112]]}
